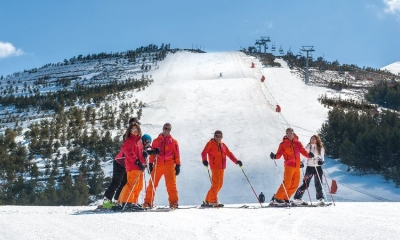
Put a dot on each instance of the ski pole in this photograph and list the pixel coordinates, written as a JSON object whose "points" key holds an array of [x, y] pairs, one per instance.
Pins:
{"points": [[251, 186], [133, 186], [319, 178], [145, 186], [153, 193], [151, 178], [305, 181], [326, 180], [287, 195]]}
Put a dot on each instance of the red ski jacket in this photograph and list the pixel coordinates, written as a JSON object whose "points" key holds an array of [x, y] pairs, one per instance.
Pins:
{"points": [[291, 152], [169, 150], [217, 154], [133, 150]]}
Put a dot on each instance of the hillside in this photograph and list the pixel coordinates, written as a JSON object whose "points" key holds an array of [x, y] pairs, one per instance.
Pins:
{"points": [[189, 92]]}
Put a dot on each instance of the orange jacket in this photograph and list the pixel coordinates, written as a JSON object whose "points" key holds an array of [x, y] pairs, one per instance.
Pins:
{"points": [[291, 152], [217, 153], [133, 150], [169, 150]]}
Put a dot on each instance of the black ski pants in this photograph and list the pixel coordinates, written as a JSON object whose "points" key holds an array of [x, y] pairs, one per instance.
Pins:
{"points": [[118, 181], [311, 172]]}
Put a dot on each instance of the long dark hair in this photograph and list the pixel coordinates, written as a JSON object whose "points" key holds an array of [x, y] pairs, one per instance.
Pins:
{"points": [[319, 143], [128, 130]]}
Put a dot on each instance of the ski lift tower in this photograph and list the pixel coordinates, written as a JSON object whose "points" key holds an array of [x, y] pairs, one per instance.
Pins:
{"points": [[307, 49], [264, 41], [258, 43]]}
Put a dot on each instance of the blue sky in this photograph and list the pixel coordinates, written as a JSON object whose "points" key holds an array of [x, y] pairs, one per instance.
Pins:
{"points": [[34, 33]]}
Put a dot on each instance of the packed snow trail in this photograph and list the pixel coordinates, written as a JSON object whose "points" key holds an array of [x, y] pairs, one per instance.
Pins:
{"points": [[189, 93]]}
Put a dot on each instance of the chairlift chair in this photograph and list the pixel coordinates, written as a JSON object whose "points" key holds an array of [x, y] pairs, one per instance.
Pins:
{"points": [[281, 50]]}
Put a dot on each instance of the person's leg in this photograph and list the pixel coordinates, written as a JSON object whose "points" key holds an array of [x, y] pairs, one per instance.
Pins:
{"points": [[306, 183], [318, 183], [282, 193], [118, 174], [132, 177], [156, 175], [121, 185], [295, 182], [170, 183], [137, 188], [216, 184]]}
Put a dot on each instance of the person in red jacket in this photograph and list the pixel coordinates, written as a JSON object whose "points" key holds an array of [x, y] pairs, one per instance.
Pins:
{"points": [[167, 163], [290, 148], [217, 152], [134, 164], [118, 180]]}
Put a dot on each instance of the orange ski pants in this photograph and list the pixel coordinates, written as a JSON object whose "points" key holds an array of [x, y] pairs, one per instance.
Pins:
{"points": [[217, 180], [291, 180], [168, 171], [134, 184]]}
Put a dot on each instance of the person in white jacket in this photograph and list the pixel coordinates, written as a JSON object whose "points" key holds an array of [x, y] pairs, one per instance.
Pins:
{"points": [[313, 169]]}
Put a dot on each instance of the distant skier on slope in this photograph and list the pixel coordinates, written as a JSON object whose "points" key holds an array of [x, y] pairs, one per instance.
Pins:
{"points": [[217, 152], [313, 169], [290, 148]]}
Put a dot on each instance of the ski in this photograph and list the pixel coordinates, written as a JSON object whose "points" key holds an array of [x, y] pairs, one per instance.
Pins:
{"points": [[313, 205], [277, 205], [288, 205], [128, 209]]}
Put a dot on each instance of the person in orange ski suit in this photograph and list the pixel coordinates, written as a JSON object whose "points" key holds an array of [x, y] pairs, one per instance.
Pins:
{"points": [[290, 148], [217, 152], [167, 163], [134, 164]]}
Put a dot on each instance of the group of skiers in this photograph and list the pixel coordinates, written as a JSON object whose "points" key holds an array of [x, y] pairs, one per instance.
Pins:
{"points": [[161, 157]]}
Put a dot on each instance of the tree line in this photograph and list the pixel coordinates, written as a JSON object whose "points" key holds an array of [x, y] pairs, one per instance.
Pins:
{"points": [[71, 148], [362, 137]]}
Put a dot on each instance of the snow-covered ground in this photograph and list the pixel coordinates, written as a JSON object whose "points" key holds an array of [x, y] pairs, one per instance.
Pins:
{"points": [[393, 68], [189, 93]]}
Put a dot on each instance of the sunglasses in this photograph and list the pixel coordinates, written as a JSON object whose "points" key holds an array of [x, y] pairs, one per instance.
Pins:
{"points": [[218, 136], [167, 129], [147, 142], [289, 133]]}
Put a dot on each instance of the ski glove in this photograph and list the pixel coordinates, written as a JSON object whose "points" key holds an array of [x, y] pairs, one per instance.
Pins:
{"points": [[301, 165], [154, 151], [311, 154], [177, 169], [320, 162], [239, 163], [140, 165], [272, 155], [150, 167], [145, 154], [205, 163]]}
